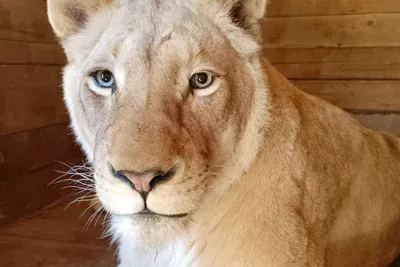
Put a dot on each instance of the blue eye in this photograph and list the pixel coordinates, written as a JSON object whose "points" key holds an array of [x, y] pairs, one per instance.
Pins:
{"points": [[104, 79]]}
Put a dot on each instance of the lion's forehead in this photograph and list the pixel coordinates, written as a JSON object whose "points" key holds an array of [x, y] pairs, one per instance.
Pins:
{"points": [[170, 30], [150, 20]]}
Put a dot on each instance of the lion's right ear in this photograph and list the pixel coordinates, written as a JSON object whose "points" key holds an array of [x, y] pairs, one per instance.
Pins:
{"points": [[69, 16]]}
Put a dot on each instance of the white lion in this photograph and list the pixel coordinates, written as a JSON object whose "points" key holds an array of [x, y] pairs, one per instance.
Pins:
{"points": [[205, 155]]}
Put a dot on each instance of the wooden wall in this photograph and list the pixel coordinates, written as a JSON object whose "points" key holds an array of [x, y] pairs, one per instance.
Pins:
{"points": [[33, 120], [345, 51]]}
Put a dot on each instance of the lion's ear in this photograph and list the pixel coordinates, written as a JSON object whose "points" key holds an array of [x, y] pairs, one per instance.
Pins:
{"points": [[69, 16], [248, 13]]}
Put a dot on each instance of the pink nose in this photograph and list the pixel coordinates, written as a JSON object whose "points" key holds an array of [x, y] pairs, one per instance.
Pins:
{"points": [[140, 180], [143, 181]]}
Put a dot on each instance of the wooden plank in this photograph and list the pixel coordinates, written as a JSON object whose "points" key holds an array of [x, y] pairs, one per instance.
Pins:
{"points": [[355, 94], [25, 21], [28, 76], [336, 63], [78, 211], [292, 8], [26, 151], [31, 192], [30, 97], [18, 252], [50, 225], [371, 30], [380, 122], [30, 53]]}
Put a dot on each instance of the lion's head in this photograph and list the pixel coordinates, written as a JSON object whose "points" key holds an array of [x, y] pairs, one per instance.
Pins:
{"points": [[166, 98]]}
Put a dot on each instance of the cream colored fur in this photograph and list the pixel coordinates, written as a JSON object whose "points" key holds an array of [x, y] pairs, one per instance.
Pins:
{"points": [[267, 175]]}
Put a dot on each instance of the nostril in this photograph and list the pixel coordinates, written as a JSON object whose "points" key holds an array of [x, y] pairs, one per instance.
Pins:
{"points": [[120, 176], [162, 178]]}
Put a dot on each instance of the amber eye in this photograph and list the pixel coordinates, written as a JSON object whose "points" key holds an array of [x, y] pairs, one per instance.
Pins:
{"points": [[104, 79], [201, 80]]}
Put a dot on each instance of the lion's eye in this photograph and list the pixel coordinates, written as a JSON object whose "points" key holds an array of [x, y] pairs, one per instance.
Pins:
{"points": [[104, 79], [201, 80]]}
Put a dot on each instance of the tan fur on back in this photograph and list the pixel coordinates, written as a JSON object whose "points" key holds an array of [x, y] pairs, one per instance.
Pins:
{"points": [[265, 174]]}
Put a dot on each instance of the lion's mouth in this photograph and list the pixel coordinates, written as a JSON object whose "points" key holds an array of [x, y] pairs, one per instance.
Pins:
{"points": [[149, 213]]}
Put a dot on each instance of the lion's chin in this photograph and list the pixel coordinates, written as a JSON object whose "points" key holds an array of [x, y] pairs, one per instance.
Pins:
{"points": [[148, 227]]}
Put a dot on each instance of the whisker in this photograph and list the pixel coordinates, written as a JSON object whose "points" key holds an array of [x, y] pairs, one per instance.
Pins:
{"points": [[94, 203], [81, 199], [86, 227], [104, 220], [91, 218], [99, 215], [79, 190]]}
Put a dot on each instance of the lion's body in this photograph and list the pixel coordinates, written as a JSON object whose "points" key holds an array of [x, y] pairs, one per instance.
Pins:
{"points": [[263, 174], [306, 201]]}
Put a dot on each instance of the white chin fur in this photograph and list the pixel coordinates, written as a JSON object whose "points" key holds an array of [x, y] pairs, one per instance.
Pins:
{"points": [[143, 241]]}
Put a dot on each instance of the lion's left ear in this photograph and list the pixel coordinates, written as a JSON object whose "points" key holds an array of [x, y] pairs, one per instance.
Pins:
{"points": [[248, 13]]}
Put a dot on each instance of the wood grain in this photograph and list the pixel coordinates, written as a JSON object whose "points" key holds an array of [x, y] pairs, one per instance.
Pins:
{"points": [[30, 97], [336, 63], [26, 151], [356, 94], [372, 30], [25, 21], [19, 251], [31, 53], [293, 8], [31, 192], [29, 76], [54, 237], [72, 221]]}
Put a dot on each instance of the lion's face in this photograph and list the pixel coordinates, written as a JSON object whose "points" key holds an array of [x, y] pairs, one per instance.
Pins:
{"points": [[160, 98]]}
